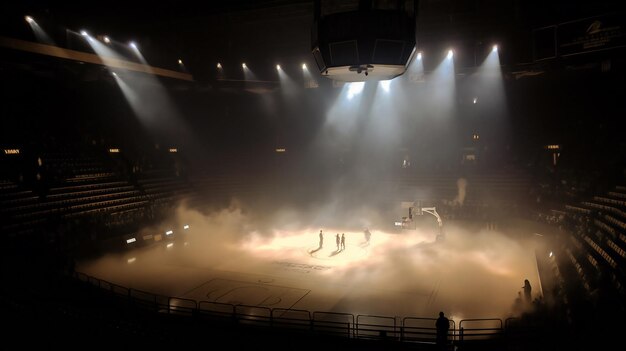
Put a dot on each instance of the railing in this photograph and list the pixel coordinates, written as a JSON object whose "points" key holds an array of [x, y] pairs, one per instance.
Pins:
{"points": [[376, 327], [333, 323], [483, 331], [366, 327], [423, 330]]}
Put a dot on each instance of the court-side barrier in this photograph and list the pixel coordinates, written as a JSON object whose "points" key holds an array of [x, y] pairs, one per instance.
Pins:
{"points": [[372, 327], [423, 330]]}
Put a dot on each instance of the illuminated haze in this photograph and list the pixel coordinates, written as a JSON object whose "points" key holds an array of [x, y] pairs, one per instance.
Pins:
{"points": [[473, 273], [341, 176]]}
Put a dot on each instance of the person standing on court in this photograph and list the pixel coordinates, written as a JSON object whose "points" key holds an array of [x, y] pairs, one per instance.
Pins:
{"points": [[368, 235], [321, 239], [343, 241], [443, 326], [527, 291]]}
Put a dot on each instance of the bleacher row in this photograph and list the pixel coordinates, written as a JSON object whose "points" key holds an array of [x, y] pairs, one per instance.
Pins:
{"points": [[96, 192], [66, 164], [224, 186], [596, 249], [506, 185], [560, 294], [24, 209]]}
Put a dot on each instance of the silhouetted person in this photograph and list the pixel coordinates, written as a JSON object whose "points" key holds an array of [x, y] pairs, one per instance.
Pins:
{"points": [[527, 291], [338, 241], [368, 235], [343, 241], [321, 239], [443, 326]]}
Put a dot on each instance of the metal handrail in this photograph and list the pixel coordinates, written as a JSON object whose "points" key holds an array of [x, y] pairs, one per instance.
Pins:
{"points": [[333, 326], [429, 333], [181, 309], [350, 327], [380, 330], [475, 333], [263, 319], [291, 322]]}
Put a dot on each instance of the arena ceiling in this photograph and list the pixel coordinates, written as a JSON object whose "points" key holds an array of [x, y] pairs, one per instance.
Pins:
{"points": [[268, 32]]}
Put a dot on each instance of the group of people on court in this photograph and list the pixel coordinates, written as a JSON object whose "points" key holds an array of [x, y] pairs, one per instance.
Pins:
{"points": [[340, 240], [442, 324]]}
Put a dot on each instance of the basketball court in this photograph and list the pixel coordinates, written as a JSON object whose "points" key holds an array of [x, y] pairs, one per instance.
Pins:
{"points": [[472, 273]]}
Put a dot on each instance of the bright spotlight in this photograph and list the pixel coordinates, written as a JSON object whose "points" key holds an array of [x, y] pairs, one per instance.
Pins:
{"points": [[170, 245], [550, 254], [385, 84], [419, 55], [83, 33], [243, 65], [106, 39], [133, 45], [495, 48], [355, 88], [186, 226], [180, 62], [219, 65], [278, 67], [475, 100], [304, 66], [114, 74], [131, 240], [169, 232], [41, 34], [450, 54]]}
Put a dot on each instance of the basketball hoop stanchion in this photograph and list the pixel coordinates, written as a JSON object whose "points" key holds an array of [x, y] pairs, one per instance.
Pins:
{"points": [[431, 210]]}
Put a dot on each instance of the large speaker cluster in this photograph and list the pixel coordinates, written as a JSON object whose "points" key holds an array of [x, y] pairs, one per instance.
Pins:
{"points": [[366, 43]]}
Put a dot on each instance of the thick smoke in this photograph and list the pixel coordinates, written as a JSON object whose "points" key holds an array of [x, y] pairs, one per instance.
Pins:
{"points": [[345, 176], [473, 273], [461, 185]]}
